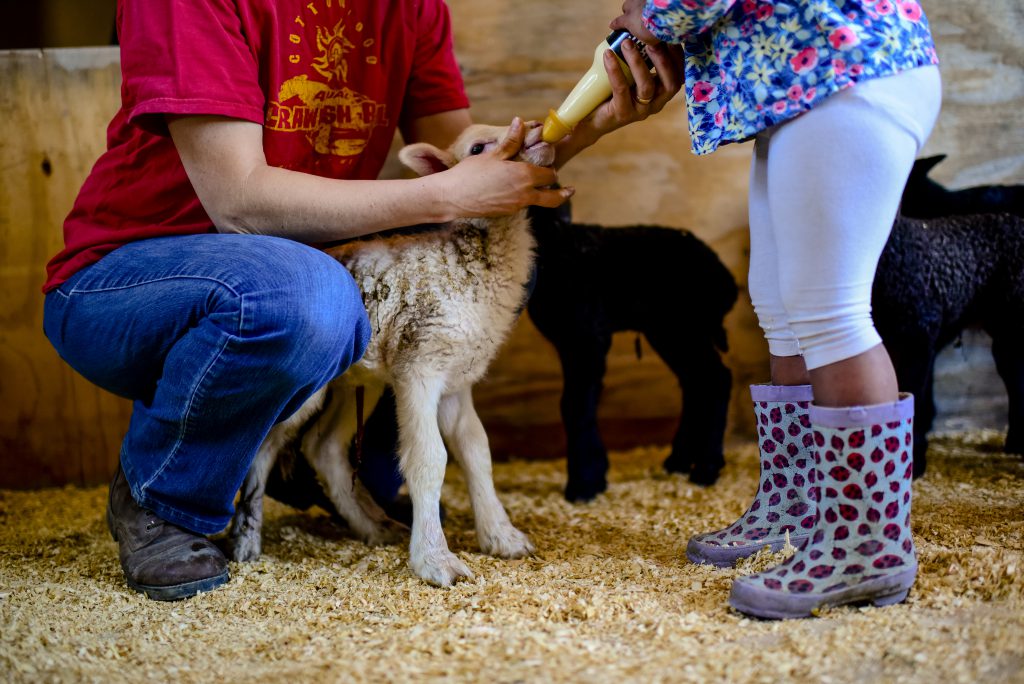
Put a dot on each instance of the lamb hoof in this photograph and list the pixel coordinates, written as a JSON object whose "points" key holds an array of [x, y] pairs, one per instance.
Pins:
{"points": [[1014, 445], [677, 464], [245, 547], [441, 569], [582, 492], [506, 542], [704, 477], [386, 533]]}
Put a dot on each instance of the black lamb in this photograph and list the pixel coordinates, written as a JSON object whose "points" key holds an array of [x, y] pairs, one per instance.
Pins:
{"points": [[662, 282], [925, 198], [937, 277]]}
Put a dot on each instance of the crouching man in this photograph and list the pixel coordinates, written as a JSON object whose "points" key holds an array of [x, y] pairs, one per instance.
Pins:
{"points": [[187, 282]]}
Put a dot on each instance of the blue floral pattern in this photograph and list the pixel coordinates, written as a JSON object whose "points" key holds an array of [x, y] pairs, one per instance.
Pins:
{"points": [[752, 64]]}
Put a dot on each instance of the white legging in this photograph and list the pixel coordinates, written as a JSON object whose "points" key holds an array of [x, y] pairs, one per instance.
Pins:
{"points": [[824, 191]]}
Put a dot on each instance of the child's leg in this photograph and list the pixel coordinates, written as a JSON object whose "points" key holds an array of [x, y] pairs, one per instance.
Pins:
{"points": [[787, 362], [835, 177], [861, 547], [782, 504]]}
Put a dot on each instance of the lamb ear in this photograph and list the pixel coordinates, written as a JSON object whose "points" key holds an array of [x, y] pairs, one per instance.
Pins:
{"points": [[425, 159], [926, 164]]}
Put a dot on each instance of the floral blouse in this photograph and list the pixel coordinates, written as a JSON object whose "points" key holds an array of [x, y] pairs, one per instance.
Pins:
{"points": [[752, 64]]}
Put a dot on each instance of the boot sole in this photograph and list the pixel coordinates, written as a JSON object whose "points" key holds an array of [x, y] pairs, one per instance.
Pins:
{"points": [[766, 603], [726, 556], [178, 592]]}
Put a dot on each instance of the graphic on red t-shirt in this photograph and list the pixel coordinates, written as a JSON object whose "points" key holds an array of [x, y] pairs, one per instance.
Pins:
{"points": [[335, 118]]}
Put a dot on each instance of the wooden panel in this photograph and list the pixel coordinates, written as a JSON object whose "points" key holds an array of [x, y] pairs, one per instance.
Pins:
{"points": [[55, 427], [57, 23], [518, 58], [981, 127]]}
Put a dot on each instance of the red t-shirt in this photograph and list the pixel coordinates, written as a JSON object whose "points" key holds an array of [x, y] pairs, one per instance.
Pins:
{"points": [[330, 80]]}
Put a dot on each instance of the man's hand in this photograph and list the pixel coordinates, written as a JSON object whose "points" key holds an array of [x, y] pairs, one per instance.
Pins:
{"points": [[491, 183]]}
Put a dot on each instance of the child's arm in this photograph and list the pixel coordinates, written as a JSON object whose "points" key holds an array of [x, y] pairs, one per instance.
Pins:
{"points": [[670, 21]]}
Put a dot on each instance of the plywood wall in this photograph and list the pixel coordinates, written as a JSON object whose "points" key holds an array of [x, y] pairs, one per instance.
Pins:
{"points": [[645, 174], [55, 427], [518, 59]]}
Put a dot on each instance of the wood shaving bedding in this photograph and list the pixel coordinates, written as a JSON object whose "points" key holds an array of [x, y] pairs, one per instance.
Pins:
{"points": [[608, 597]]}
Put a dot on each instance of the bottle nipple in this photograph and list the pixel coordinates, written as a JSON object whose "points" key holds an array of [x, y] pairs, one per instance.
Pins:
{"points": [[554, 128]]}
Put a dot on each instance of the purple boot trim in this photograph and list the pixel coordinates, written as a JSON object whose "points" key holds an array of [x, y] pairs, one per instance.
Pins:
{"points": [[790, 393], [752, 598], [726, 556], [856, 416]]}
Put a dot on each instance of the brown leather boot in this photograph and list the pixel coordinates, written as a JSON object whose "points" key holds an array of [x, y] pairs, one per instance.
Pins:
{"points": [[163, 561]]}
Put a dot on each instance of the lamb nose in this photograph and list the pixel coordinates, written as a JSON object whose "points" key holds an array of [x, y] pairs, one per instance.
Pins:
{"points": [[533, 137]]}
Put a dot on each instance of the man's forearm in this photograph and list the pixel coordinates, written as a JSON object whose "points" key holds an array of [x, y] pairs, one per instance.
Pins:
{"points": [[275, 201], [241, 193]]}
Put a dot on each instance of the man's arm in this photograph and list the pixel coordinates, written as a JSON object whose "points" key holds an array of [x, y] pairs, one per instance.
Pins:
{"points": [[225, 162], [440, 130]]}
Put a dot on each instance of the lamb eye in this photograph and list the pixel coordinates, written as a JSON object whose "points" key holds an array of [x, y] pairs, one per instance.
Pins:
{"points": [[477, 148]]}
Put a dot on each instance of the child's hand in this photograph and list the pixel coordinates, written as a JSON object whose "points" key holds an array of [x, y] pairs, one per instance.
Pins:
{"points": [[632, 20], [649, 95]]}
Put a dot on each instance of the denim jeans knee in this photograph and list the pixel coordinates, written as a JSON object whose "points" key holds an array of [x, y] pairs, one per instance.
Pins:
{"points": [[311, 317], [215, 338]]}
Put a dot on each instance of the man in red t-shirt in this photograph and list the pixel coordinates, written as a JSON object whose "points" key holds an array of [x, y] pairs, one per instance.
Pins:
{"points": [[249, 130]]}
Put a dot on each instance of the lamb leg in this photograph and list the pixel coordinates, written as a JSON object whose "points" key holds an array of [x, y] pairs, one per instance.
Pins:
{"points": [[464, 433]]}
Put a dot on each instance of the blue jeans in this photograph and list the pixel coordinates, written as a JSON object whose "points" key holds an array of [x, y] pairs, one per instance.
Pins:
{"points": [[215, 338]]}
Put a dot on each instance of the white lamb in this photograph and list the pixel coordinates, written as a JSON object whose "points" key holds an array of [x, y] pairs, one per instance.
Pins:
{"points": [[441, 302]]}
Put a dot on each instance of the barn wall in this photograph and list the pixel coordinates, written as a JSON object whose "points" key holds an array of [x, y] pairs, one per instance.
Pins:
{"points": [[518, 59]]}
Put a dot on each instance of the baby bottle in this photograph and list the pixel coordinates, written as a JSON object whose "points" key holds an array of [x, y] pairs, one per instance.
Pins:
{"points": [[593, 89]]}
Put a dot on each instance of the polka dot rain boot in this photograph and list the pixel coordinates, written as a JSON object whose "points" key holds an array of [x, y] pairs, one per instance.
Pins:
{"points": [[861, 549], [783, 502]]}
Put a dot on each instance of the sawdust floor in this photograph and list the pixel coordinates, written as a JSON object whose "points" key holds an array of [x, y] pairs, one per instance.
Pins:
{"points": [[608, 597]]}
